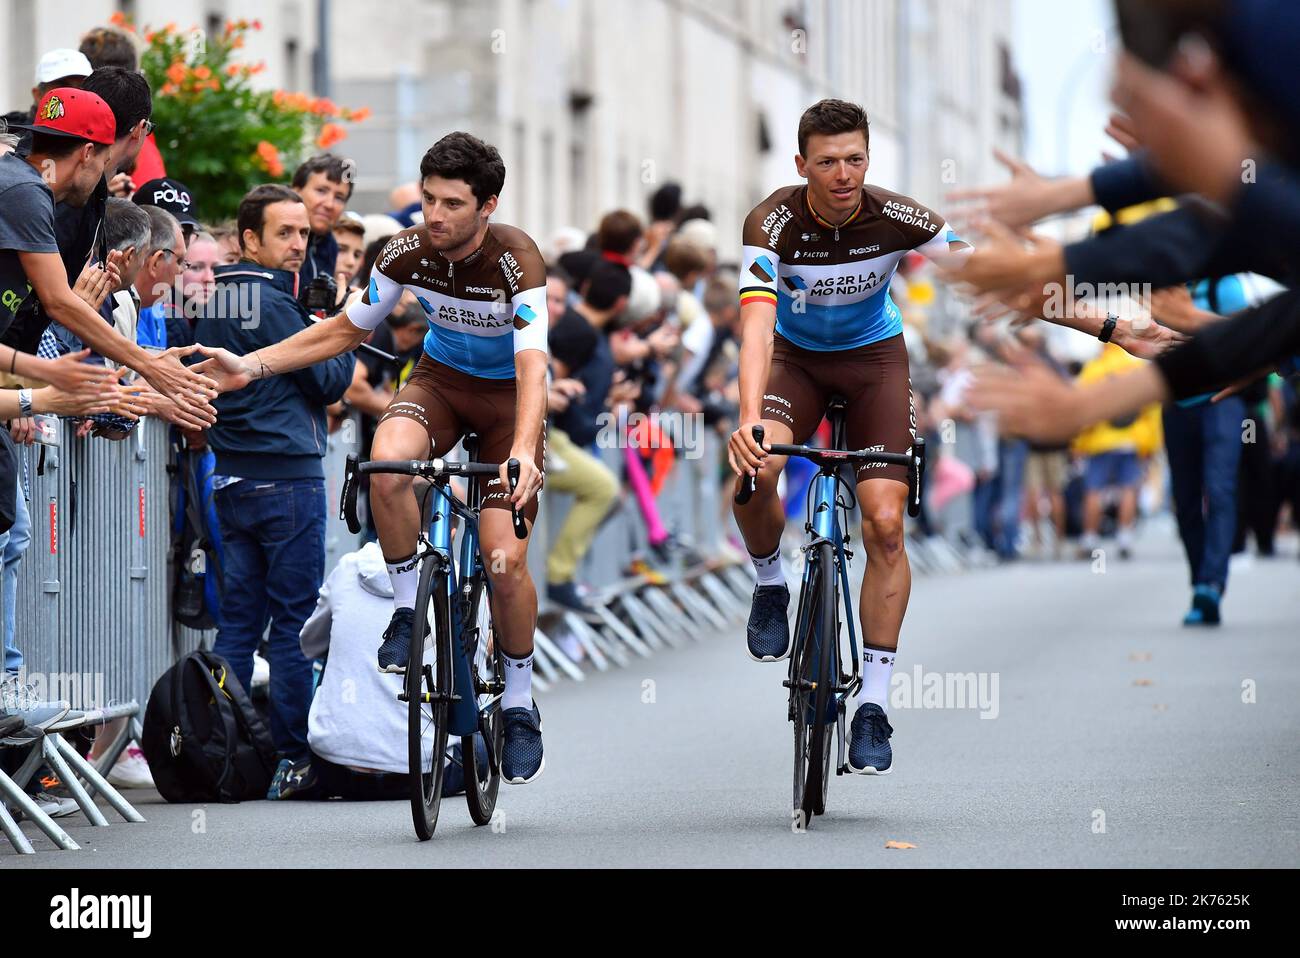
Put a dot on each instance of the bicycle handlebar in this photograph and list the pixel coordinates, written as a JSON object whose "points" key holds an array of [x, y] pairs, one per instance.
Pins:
{"points": [[429, 469], [913, 461]]}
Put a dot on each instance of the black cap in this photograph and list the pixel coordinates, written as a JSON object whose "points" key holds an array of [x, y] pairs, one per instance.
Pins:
{"points": [[170, 195]]}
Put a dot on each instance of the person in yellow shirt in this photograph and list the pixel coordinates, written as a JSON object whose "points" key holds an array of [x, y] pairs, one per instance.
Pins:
{"points": [[1114, 451]]}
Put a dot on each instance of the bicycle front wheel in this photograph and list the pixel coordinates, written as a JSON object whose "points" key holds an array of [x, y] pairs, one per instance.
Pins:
{"points": [[428, 684], [814, 716]]}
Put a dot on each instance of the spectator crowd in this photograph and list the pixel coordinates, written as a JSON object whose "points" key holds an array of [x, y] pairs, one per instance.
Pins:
{"points": [[109, 280]]}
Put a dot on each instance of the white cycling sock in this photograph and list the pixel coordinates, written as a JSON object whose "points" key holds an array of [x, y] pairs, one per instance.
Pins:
{"points": [[769, 568], [877, 666], [519, 682], [405, 576]]}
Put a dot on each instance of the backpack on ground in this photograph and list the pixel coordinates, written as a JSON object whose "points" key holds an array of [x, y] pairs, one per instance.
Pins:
{"points": [[203, 739]]}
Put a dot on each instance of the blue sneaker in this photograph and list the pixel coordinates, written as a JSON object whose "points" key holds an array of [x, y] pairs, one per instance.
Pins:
{"points": [[396, 650], [1205, 606], [453, 779], [521, 756], [292, 780], [768, 632], [869, 750]]}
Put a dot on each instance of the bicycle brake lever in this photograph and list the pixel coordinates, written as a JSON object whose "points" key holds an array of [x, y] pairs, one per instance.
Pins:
{"points": [[749, 483], [512, 473], [348, 501]]}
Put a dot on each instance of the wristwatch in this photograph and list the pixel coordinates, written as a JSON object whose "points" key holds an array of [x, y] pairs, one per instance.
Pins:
{"points": [[24, 402], [1107, 328]]}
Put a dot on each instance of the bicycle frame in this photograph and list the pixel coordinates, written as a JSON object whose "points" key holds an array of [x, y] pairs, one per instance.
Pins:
{"points": [[465, 712], [823, 525]]}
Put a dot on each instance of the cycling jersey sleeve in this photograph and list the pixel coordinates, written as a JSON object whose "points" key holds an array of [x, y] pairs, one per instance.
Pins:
{"points": [[945, 248], [760, 260], [525, 274], [530, 322], [379, 299]]}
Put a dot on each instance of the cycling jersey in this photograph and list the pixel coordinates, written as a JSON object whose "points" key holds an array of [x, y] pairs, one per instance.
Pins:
{"points": [[829, 283], [481, 310]]}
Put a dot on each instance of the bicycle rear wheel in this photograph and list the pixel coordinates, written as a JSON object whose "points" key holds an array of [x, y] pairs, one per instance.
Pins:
{"points": [[428, 683], [483, 779]]}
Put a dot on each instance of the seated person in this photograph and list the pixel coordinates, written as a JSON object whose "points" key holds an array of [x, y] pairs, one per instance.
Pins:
{"points": [[357, 727]]}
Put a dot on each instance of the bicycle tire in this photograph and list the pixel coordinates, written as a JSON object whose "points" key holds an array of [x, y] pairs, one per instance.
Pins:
{"points": [[426, 788], [482, 783], [800, 707], [821, 728]]}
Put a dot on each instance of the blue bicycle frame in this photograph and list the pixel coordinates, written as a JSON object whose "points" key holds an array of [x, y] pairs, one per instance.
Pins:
{"points": [[463, 715]]}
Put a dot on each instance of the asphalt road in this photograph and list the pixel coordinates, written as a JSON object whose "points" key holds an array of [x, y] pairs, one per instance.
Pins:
{"points": [[1115, 738]]}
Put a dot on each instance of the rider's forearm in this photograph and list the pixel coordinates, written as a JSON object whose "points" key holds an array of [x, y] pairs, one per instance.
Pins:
{"points": [[317, 343], [757, 322], [530, 398]]}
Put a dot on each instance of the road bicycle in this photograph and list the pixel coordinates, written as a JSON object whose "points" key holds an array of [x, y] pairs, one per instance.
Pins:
{"points": [[455, 677], [820, 689]]}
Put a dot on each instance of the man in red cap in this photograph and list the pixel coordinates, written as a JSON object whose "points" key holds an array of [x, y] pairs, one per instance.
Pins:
{"points": [[71, 135]]}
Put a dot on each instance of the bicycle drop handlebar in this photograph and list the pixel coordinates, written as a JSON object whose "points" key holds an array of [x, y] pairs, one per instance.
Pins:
{"points": [[914, 462], [428, 469]]}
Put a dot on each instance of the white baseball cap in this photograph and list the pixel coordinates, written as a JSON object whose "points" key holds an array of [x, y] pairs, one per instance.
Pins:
{"points": [[58, 64]]}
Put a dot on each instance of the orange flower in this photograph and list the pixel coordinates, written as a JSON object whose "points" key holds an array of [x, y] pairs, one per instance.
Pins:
{"points": [[170, 89], [233, 70], [148, 36], [257, 24], [176, 73], [120, 19], [279, 97], [268, 158], [360, 115], [202, 72], [230, 28], [330, 134], [258, 67], [237, 43], [169, 28]]}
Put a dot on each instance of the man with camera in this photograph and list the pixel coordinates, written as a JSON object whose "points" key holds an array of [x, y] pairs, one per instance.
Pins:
{"points": [[269, 440]]}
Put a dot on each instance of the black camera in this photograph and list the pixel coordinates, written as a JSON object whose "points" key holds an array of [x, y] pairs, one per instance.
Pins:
{"points": [[320, 295]]}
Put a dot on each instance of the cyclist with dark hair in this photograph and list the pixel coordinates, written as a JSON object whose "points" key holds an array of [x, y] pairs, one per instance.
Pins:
{"points": [[482, 287], [816, 319]]}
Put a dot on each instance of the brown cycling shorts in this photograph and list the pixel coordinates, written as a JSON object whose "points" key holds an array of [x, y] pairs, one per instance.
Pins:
{"points": [[449, 403], [875, 381]]}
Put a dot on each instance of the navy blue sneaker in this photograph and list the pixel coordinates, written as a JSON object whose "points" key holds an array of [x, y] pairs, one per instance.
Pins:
{"points": [[521, 756], [1205, 606], [869, 751], [768, 633], [396, 650], [292, 780], [453, 779]]}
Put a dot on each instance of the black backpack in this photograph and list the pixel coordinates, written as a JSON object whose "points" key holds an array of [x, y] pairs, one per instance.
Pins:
{"points": [[203, 739]]}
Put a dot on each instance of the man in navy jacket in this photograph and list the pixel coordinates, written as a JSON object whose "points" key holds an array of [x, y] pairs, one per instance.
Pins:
{"points": [[269, 440]]}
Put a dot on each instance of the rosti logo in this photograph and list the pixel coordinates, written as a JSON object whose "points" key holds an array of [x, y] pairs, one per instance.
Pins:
{"points": [[865, 249], [489, 290], [53, 109], [171, 195]]}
